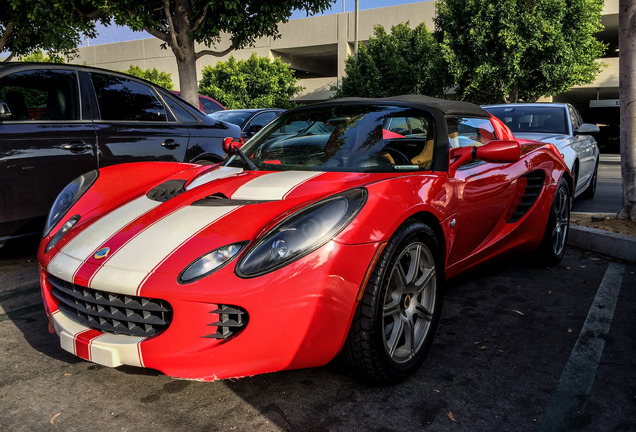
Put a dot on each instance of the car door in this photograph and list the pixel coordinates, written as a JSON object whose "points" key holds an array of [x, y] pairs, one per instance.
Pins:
{"points": [[484, 190], [133, 123], [46, 141], [584, 146]]}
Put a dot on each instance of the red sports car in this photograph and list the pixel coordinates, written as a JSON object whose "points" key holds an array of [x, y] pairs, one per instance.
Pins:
{"points": [[304, 244]]}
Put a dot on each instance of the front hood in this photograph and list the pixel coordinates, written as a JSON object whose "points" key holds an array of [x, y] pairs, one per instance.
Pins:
{"points": [[543, 136], [163, 232]]}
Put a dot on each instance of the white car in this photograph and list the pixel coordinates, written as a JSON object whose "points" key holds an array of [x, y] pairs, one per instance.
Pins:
{"points": [[559, 124]]}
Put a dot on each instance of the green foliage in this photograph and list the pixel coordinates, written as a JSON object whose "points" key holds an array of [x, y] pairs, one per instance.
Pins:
{"points": [[40, 57], [256, 82], [53, 26], [509, 50], [206, 20], [406, 61], [161, 78]]}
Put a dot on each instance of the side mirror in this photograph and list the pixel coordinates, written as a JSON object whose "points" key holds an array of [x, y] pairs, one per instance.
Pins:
{"points": [[5, 112], [230, 144], [251, 131], [587, 128], [503, 151]]}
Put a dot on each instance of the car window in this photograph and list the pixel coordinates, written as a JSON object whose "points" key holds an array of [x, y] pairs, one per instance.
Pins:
{"points": [[50, 95], [262, 119], [123, 99], [180, 113], [209, 106], [465, 132]]}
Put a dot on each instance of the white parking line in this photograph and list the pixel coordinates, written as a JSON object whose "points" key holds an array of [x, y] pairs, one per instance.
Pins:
{"points": [[569, 399]]}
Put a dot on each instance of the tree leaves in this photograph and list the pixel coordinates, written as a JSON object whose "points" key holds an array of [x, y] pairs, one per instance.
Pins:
{"points": [[256, 82], [401, 62], [510, 50]]}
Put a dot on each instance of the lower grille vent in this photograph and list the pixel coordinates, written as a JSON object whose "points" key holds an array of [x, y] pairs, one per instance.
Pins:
{"points": [[232, 319], [111, 313]]}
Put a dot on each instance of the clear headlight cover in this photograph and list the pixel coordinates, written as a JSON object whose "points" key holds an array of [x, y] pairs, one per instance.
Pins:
{"points": [[302, 233], [69, 196], [210, 262]]}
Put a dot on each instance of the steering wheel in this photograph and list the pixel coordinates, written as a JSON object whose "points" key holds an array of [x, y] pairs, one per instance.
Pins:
{"points": [[399, 157]]}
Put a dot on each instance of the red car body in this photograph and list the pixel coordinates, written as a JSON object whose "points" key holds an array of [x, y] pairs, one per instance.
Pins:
{"points": [[140, 225]]}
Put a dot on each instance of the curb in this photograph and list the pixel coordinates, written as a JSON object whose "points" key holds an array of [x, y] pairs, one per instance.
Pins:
{"points": [[604, 242]]}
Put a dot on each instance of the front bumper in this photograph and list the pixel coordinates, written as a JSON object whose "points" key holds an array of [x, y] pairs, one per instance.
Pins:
{"points": [[299, 316]]}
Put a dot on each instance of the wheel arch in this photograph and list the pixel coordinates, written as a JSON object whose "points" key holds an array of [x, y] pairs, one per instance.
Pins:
{"points": [[432, 221]]}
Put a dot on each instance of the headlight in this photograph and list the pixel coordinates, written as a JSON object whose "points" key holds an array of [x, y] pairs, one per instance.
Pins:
{"points": [[302, 233], [69, 196], [62, 232], [210, 262]]}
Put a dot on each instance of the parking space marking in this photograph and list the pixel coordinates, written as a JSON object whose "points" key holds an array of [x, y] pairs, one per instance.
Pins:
{"points": [[569, 400]]}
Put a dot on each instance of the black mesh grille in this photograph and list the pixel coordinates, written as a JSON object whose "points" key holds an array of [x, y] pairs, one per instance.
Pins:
{"points": [[232, 319], [535, 179], [111, 313]]}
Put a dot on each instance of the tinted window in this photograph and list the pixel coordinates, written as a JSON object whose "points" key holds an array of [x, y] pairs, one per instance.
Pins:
{"points": [[180, 113], [123, 99], [41, 95]]}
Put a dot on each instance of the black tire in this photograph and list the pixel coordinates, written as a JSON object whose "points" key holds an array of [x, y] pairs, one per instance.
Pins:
{"points": [[552, 248], [590, 191], [395, 323]]}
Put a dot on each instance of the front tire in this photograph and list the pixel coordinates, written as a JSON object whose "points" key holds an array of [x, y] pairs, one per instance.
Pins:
{"points": [[591, 188], [552, 248], [395, 323]]}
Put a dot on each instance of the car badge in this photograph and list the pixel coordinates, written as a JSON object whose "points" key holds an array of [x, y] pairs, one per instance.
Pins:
{"points": [[102, 253]]}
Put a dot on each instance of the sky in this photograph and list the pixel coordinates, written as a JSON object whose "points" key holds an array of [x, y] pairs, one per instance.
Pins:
{"points": [[115, 33]]}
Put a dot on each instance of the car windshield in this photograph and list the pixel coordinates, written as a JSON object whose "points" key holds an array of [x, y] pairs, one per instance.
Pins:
{"points": [[234, 117], [534, 119], [357, 138]]}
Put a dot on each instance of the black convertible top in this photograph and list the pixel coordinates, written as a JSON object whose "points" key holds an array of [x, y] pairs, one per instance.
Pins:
{"points": [[443, 106]]}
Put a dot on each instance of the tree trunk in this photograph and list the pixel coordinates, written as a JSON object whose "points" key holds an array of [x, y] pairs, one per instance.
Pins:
{"points": [[187, 67], [627, 91]]}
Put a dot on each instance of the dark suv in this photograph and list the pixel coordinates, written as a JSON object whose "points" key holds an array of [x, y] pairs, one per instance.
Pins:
{"points": [[60, 121]]}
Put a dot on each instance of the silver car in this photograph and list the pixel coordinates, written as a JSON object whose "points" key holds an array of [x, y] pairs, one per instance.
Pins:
{"points": [[559, 124]]}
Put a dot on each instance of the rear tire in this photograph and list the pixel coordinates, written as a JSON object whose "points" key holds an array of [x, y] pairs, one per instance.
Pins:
{"points": [[395, 323], [552, 248]]}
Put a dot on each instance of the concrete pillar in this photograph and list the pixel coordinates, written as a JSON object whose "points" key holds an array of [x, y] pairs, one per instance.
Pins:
{"points": [[344, 48]]}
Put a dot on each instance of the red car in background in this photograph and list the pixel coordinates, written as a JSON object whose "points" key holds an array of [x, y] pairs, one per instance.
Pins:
{"points": [[335, 239], [206, 103]]}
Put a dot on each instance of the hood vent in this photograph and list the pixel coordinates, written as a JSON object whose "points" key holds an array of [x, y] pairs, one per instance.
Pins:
{"points": [[219, 199], [167, 190]]}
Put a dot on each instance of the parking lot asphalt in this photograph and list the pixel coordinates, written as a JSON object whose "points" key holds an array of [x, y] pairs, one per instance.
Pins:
{"points": [[519, 348]]}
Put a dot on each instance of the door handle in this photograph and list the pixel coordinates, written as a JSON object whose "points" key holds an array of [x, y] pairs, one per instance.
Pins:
{"points": [[77, 146], [170, 144]]}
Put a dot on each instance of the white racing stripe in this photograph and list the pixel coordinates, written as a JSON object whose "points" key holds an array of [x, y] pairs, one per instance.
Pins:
{"points": [[107, 349], [132, 263], [216, 174], [273, 186], [72, 256]]}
